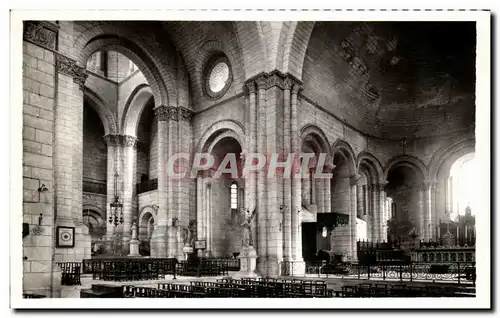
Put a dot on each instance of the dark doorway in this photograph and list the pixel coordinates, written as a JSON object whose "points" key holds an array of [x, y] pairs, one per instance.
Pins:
{"points": [[309, 241]]}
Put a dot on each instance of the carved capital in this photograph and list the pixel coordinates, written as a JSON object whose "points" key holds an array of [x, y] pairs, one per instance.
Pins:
{"points": [[296, 88], [161, 113], [250, 87], [112, 140], [288, 83], [68, 67], [185, 113], [261, 81], [129, 141], [173, 113], [41, 33], [275, 79]]}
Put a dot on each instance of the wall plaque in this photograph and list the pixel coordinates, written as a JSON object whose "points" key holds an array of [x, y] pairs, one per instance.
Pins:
{"points": [[200, 245], [65, 236]]}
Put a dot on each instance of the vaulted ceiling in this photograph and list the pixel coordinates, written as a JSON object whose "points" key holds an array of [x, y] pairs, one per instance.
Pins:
{"points": [[395, 78]]}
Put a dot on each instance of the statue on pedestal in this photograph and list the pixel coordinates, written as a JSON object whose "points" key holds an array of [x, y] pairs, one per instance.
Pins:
{"points": [[134, 231], [189, 233], [247, 228], [134, 243]]}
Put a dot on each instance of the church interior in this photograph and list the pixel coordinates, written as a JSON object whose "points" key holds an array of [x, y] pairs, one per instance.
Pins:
{"points": [[107, 103]]}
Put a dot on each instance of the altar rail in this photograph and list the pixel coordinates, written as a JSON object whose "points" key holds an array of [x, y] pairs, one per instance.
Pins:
{"points": [[452, 272], [129, 269], [444, 254], [207, 267], [232, 264]]}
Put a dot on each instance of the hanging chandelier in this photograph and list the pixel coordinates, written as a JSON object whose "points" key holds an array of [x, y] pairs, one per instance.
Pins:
{"points": [[116, 215]]}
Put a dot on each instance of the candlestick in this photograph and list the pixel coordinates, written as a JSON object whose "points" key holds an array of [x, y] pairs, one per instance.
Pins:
{"points": [[466, 234]]}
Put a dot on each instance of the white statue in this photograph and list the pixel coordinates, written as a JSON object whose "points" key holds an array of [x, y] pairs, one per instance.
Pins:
{"points": [[247, 228], [134, 231]]}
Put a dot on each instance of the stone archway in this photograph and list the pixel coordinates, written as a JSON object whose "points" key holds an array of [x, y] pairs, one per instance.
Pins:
{"points": [[371, 173], [218, 221], [344, 199]]}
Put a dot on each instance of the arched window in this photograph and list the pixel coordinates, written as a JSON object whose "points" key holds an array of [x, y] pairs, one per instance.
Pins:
{"points": [[234, 196], [462, 185]]}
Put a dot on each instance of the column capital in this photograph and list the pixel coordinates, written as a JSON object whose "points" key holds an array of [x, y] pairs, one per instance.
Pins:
{"points": [[261, 81], [288, 83], [382, 184], [249, 87], [186, 113], [354, 178], [129, 141], [296, 88], [428, 184], [328, 168], [161, 113], [68, 67], [167, 113], [112, 140], [379, 186]]}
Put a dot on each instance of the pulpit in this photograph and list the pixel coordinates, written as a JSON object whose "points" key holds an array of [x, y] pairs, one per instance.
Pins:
{"points": [[248, 262]]}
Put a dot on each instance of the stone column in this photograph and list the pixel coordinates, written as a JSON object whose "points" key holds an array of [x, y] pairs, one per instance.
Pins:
{"points": [[287, 182], [429, 215], [173, 229], [421, 212], [159, 237], [112, 145], [306, 186], [328, 194], [82, 248], [352, 217], [129, 170], [274, 187], [383, 211], [200, 217], [68, 139], [296, 216], [375, 212], [320, 194], [261, 218], [208, 216], [250, 186], [184, 184]]}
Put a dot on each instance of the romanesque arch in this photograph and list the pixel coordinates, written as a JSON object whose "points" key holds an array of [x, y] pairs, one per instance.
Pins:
{"points": [[368, 162], [124, 39], [407, 161], [314, 132], [219, 127], [107, 117], [344, 149], [443, 158], [134, 108], [252, 46], [297, 41]]}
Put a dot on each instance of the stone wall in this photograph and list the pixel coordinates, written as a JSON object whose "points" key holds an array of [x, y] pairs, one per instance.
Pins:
{"points": [[95, 159], [38, 168]]}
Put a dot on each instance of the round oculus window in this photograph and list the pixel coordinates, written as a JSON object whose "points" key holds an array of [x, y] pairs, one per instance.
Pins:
{"points": [[218, 78]]}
